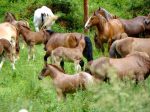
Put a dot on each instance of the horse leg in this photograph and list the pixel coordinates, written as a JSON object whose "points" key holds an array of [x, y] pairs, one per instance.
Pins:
{"points": [[12, 60], [77, 66], [81, 64], [109, 43], [33, 52], [2, 62], [48, 53], [29, 52], [60, 95]]}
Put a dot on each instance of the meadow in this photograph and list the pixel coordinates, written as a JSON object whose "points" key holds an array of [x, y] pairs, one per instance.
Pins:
{"points": [[22, 89]]}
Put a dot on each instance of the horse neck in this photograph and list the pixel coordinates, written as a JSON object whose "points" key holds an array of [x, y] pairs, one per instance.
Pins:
{"points": [[100, 27], [25, 32], [54, 72]]}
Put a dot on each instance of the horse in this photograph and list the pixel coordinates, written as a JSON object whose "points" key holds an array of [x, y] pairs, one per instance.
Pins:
{"points": [[6, 51], [10, 33], [31, 38], [134, 66], [133, 27], [65, 83], [10, 17], [44, 17], [106, 30], [69, 54], [69, 40], [123, 47]]}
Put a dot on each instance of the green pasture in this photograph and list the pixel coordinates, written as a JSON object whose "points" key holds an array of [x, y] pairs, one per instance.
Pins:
{"points": [[22, 89]]}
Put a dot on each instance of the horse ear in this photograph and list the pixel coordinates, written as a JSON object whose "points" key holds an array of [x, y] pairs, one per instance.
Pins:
{"points": [[99, 8]]}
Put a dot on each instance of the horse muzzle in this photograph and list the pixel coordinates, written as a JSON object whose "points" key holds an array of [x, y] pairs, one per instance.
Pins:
{"points": [[40, 77]]}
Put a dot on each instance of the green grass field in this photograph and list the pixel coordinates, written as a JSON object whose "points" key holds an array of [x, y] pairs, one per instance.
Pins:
{"points": [[22, 89]]}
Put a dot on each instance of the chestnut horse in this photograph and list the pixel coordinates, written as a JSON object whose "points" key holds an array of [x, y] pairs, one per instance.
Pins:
{"points": [[31, 38], [10, 33], [123, 47], [135, 66], [6, 51], [133, 27], [107, 30], [65, 83], [70, 40], [69, 54]]}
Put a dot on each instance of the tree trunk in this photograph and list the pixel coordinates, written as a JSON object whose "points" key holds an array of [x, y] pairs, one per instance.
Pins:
{"points": [[85, 12]]}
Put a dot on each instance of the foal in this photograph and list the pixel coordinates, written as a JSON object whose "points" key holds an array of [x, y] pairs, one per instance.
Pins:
{"points": [[31, 38], [65, 83], [69, 54], [6, 50]]}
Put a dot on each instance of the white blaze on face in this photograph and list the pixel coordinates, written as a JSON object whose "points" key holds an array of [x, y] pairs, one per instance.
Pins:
{"points": [[86, 24]]}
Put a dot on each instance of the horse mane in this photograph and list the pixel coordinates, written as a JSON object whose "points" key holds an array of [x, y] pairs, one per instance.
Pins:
{"points": [[50, 32], [26, 27], [10, 15], [58, 68]]}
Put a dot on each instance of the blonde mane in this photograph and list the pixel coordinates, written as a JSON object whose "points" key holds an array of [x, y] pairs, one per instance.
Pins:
{"points": [[58, 68]]}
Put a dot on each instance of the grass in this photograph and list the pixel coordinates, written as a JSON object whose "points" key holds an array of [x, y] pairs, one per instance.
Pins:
{"points": [[22, 89]]}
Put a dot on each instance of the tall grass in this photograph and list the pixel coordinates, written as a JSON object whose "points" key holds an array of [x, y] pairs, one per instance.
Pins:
{"points": [[22, 89]]}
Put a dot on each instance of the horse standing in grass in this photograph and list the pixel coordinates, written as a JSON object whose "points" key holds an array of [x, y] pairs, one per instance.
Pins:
{"points": [[6, 51], [10, 33], [123, 47], [69, 40], [31, 38], [133, 27], [106, 30], [69, 54], [44, 17], [135, 66], [65, 83]]}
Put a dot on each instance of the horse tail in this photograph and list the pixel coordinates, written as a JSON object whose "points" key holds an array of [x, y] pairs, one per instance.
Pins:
{"points": [[88, 51], [113, 53]]}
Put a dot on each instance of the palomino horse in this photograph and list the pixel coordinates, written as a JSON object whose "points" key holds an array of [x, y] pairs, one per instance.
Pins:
{"points": [[135, 66], [69, 54], [10, 33], [6, 51], [133, 27], [43, 17], [123, 47], [107, 30], [31, 38], [65, 83], [70, 40]]}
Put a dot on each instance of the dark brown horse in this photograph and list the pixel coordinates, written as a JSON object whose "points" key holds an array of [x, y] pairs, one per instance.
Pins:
{"points": [[70, 40], [65, 83], [106, 30], [133, 27], [123, 47], [135, 66], [6, 52]]}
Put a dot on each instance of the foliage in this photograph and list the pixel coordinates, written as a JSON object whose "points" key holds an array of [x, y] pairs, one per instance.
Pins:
{"points": [[22, 89]]}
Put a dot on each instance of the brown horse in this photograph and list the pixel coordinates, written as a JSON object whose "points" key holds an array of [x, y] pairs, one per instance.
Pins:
{"points": [[6, 51], [135, 66], [69, 40], [123, 47], [107, 30], [31, 38], [69, 54], [65, 83], [133, 27]]}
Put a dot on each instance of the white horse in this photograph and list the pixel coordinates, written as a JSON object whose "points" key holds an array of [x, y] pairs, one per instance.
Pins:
{"points": [[43, 17]]}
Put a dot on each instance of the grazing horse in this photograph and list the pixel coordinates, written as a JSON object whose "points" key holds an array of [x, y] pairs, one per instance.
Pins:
{"points": [[65, 83], [135, 66], [70, 40], [123, 47], [6, 51], [69, 54], [31, 38], [44, 17], [10, 33], [107, 30]]}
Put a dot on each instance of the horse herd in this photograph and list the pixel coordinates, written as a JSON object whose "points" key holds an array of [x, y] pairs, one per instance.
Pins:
{"points": [[129, 56]]}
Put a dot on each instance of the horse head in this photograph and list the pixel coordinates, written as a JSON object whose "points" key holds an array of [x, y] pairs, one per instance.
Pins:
{"points": [[92, 21], [44, 72], [147, 22], [9, 17]]}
